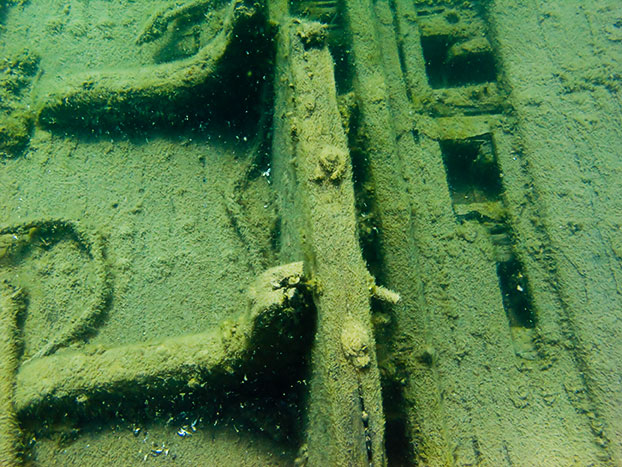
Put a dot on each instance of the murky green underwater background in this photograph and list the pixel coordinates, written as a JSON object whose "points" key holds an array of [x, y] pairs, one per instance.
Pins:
{"points": [[441, 180]]}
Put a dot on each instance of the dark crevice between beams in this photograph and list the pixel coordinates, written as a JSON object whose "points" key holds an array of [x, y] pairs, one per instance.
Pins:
{"points": [[476, 189]]}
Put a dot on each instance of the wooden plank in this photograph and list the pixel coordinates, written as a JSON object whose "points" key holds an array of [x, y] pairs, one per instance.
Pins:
{"points": [[345, 419]]}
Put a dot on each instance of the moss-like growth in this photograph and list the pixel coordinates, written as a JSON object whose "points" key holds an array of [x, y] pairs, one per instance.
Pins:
{"points": [[11, 303], [16, 74], [269, 324], [159, 22], [15, 128], [216, 78], [15, 238]]}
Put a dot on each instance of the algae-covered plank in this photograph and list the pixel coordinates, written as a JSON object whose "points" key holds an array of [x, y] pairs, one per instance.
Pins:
{"points": [[450, 329], [269, 318], [345, 419], [400, 256], [154, 94]]}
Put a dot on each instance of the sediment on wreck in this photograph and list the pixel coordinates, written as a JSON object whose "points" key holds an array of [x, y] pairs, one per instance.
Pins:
{"points": [[312, 167], [11, 303], [271, 318], [166, 94]]}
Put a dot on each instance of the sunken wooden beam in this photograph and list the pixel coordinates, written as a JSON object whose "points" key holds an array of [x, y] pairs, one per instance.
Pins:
{"points": [[71, 379], [345, 421], [162, 93]]}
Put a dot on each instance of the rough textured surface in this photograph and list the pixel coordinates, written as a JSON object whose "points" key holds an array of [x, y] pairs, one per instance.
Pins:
{"points": [[11, 303], [344, 376], [564, 77], [203, 360], [156, 95], [463, 153]]}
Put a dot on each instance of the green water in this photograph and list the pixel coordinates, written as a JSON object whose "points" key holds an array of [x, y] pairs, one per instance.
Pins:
{"points": [[447, 172]]}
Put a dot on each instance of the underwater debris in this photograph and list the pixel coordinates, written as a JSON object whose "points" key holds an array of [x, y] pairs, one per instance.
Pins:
{"points": [[331, 164], [385, 295], [251, 339], [355, 343], [158, 94]]}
